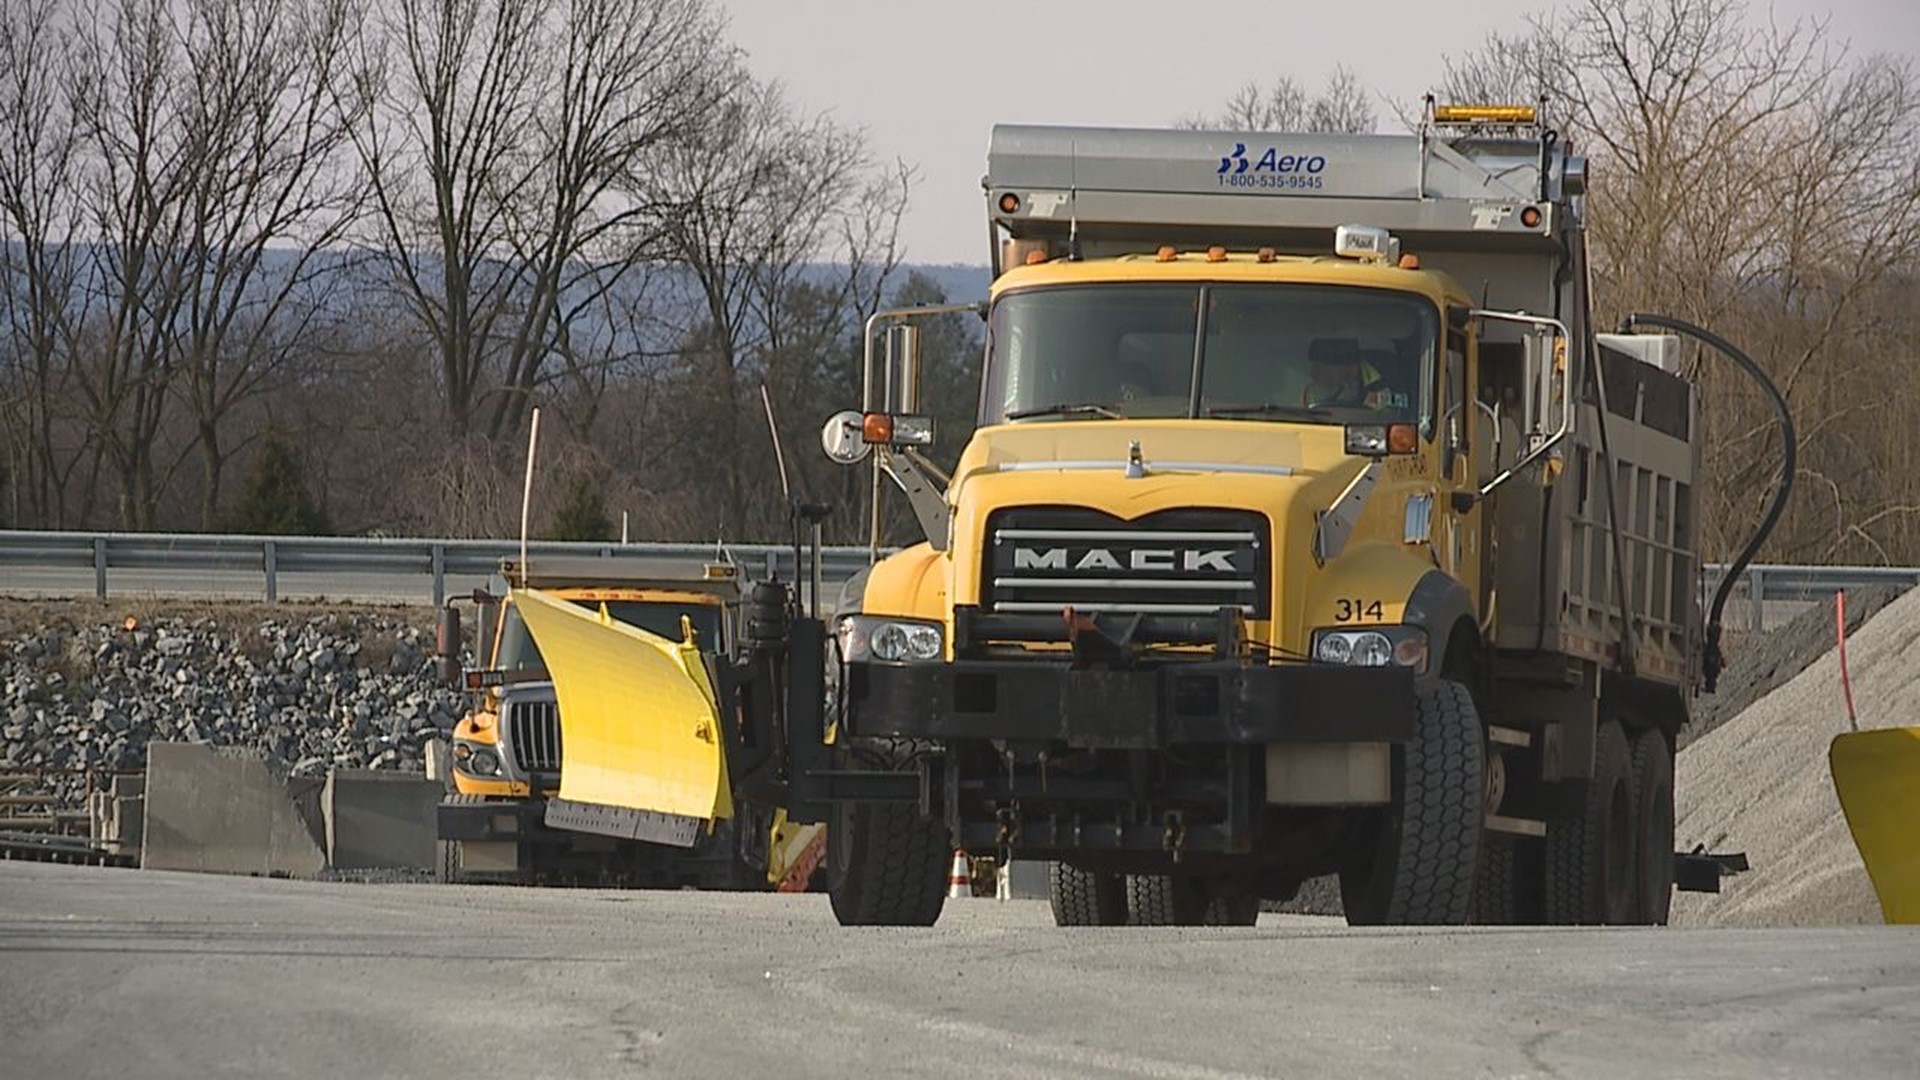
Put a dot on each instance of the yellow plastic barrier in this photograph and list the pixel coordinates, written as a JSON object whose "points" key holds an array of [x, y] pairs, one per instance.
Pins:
{"points": [[639, 726], [1877, 776]]}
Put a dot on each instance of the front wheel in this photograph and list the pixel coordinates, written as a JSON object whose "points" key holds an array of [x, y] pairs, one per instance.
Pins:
{"points": [[886, 865], [1425, 849]]}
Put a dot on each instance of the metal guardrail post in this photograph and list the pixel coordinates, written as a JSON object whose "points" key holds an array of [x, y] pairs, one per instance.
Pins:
{"points": [[272, 559], [100, 567], [439, 576], [1757, 593]]}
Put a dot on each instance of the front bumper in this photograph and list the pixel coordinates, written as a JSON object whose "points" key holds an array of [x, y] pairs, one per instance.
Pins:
{"points": [[1218, 702], [519, 820]]}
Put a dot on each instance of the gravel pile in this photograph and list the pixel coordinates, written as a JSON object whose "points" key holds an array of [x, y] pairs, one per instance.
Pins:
{"points": [[310, 693], [1759, 783], [1758, 664]]}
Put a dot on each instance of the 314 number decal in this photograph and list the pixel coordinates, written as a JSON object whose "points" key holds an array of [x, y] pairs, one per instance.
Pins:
{"points": [[1345, 610]]}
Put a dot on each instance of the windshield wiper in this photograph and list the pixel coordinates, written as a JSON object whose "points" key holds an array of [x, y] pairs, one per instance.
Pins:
{"points": [[1268, 408], [1068, 409]]}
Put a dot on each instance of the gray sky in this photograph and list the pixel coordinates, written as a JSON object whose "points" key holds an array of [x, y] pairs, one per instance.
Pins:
{"points": [[929, 80]]}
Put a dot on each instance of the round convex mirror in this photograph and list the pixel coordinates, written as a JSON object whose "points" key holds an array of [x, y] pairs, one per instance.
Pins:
{"points": [[841, 438]]}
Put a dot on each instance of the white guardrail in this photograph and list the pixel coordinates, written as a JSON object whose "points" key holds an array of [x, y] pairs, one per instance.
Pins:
{"points": [[75, 563]]}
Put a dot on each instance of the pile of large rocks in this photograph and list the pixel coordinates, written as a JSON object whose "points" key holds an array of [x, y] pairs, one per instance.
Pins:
{"points": [[312, 693]]}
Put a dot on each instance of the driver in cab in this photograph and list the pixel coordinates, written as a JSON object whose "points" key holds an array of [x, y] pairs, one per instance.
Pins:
{"points": [[1338, 376]]}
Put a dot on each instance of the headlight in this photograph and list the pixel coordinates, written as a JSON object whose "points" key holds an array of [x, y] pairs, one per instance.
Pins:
{"points": [[871, 637], [1375, 646], [484, 763]]}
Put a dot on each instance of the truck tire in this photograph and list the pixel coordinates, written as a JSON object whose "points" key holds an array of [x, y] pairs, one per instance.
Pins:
{"points": [[1230, 905], [1653, 828], [1493, 900], [1166, 900], [1085, 897], [886, 865], [447, 861], [1426, 849], [1590, 855]]}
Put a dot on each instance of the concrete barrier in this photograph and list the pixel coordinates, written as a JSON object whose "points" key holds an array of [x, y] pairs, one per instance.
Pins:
{"points": [[380, 819], [223, 811]]}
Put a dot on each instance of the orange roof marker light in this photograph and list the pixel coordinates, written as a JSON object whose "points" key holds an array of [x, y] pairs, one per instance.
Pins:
{"points": [[1484, 114], [1216, 253], [1409, 262], [1165, 254], [1009, 203]]}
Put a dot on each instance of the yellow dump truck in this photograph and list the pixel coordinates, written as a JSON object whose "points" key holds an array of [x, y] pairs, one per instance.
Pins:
{"points": [[504, 820], [1310, 527]]}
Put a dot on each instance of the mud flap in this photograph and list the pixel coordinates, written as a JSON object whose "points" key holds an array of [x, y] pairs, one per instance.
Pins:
{"points": [[1877, 776], [641, 745]]}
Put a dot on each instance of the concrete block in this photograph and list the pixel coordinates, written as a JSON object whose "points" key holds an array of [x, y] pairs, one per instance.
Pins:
{"points": [[380, 818], [1027, 879], [223, 811]]}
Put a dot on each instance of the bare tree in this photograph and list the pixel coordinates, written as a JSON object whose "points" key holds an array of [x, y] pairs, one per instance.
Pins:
{"points": [[633, 76], [761, 195], [276, 199], [1758, 178], [1341, 106], [38, 269], [141, 168], [452, 94]]}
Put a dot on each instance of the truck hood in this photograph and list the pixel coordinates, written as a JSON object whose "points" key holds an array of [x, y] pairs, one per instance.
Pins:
{"points": [[1166, 446]]}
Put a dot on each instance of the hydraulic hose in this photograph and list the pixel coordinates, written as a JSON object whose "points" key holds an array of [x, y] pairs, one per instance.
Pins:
{"points": [[1789, 451]]}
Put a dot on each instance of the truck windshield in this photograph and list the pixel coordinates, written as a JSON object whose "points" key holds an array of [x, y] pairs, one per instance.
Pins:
{"points": [[519, 653], [1303, 353]]}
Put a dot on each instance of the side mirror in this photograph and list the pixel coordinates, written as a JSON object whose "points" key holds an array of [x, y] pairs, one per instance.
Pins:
{"points": [[447, 645], [843, 438]]}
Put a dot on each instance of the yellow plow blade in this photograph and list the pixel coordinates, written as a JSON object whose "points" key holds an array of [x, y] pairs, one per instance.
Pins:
{"points": [[1877, 776], [641, 749]]}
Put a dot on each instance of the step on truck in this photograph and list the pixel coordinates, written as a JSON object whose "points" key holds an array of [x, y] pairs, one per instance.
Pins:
{"points": [[513, 814], [1311, 527]]}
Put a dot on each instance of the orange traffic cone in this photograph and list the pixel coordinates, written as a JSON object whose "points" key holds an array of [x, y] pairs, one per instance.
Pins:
{"points": [[959, 879]]}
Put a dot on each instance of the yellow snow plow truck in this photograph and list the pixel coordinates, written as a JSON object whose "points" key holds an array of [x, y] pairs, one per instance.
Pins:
{"points": [[522, 798], [1310, 527]]}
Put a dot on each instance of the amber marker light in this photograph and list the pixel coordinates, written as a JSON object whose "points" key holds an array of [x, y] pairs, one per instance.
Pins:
{"points": [[1216, 253], [1401, 439], [1409, 262], [877, 428], [1165, 254], [1530, 216], [1035, 258], [1009, 203], [1265, 255]]}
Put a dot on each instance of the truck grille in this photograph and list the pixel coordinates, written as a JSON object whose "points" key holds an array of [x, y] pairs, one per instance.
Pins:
{"points": [[1176, 562], [533, 734]]}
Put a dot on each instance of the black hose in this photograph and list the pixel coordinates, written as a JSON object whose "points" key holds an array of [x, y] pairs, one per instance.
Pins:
{"points": [[1784, 487]]}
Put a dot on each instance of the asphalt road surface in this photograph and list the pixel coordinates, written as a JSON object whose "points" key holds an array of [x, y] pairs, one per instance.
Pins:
{"points": [[124, 973]]}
